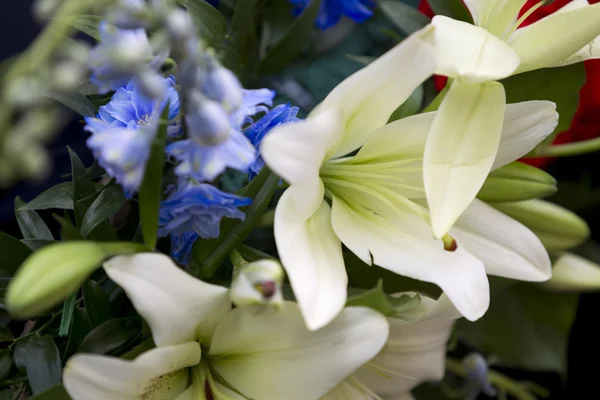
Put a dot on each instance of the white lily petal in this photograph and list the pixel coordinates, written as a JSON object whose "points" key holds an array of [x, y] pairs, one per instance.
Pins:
{"points": [[273, 356], [404, 138], [497, 16], [526, 125], [470, 52], [415, 351], [155, 375], [461, 149], [296, 151], [311, 255], [370, 96], [178, 307], [573, 273], [544, 44], [506, 247], [404, 245]]}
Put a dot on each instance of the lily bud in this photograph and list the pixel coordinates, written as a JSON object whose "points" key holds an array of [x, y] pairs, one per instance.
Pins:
{"points": [[572, 273], [52, 273], [557, 227], [257, 283], [517, 182]]}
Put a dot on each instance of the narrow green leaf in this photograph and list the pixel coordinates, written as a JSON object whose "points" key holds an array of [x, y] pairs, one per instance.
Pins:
{"points": [[6, 363], [68, 230], [87, 24], [3, 286], [67, 315], [559, 85], [96, 303], [150, 192], [80, 327], [35, 244], [209, 21], [243, 28], [58, 196], [455, 9], [406, 18], [75, 101], [42, 362], [20, 354], [293, 40], [56, 392], [5, 334], [106, 205], [362, 60], [112, 336], [13, 253], [83, 187], [31, 224]]}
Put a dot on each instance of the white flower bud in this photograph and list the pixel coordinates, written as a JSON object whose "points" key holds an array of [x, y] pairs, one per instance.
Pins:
{"points": [[179, 25], [257, 283]]}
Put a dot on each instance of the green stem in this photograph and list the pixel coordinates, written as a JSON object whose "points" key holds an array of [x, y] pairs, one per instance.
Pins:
{"points": [[569, 149], [209, 254], [515, 389], [236, 258]]}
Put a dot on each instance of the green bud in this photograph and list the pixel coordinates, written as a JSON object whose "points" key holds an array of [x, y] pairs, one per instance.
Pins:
{"points": [[517, 182], [52, 273], [557, 227], [572, 273]]}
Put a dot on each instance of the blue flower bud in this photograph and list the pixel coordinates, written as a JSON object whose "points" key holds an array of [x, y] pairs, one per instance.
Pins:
{"points": [[220, 84], [207, 121]]}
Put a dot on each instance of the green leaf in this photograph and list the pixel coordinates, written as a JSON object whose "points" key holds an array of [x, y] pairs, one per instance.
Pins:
{"points": [[42, 362], [4, 282], [58, 196], [20, 354], [82, 187], [13, 253], [292, 41], [35, 244], [5, 334], [6, 363], [80, 327], [112, 336], [387, 305], [411, 106], [150, 191], [451, 8], [68, 230], [108, 203], [56, 392], [406, 18], [559, 85], [67, 315], [31, 224], [209, 21], [243, 28], [96, 303], [525, 327], [75, 101]]}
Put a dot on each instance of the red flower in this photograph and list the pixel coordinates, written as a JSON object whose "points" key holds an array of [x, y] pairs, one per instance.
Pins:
{"points": [[586, 123]]}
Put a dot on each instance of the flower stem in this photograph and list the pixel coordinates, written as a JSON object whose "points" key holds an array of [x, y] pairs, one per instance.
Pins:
{"points": [[569, 149]]}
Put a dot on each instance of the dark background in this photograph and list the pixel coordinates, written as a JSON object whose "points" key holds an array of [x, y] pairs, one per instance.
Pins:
{"points": [[18, 29]]}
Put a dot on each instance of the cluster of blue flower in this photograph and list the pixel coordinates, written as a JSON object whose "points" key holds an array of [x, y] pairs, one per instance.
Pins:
{"points": [[215, 131]]}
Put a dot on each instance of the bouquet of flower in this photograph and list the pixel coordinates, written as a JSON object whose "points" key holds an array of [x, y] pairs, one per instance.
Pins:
{"points": [[240, 235]]}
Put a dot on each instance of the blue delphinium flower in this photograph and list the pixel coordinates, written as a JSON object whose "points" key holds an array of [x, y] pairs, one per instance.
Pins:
{"points": [[181, 245], [123, 131], [282, 114], [332, 10], [197, 208], [204, 161], [121, 55]]}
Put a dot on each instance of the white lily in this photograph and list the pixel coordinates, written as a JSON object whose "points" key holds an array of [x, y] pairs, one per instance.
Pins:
{"points": [[414, 353], [371, 201], [226, 354], [464, 138]]}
